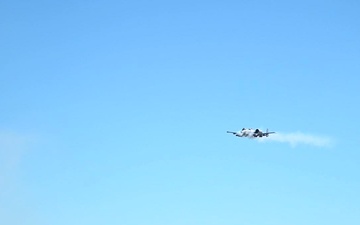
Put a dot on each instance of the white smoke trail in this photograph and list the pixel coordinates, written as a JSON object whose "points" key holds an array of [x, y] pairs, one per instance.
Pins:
{"points": [[298, 138], [13, 147]]}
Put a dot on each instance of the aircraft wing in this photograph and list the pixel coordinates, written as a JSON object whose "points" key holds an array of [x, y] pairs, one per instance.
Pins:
{"points": [[231, 132]]}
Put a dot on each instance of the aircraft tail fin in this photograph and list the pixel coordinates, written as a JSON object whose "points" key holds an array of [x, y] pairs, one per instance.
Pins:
{"points": [[267, 133]]}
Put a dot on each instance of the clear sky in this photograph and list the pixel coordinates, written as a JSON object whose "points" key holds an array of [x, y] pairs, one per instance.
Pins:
{"points": [[116, 112]]}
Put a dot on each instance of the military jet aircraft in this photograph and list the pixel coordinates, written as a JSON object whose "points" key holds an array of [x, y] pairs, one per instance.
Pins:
{"points": [[251, 133]]}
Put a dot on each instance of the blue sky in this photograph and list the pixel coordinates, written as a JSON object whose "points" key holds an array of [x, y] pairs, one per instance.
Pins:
{"points": [[116, 112]]}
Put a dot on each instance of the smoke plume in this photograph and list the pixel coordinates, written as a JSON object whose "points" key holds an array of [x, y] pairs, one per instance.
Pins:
{"points": [[298, 138]]}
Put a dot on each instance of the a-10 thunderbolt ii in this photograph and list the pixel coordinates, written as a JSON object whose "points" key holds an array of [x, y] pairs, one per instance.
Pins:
{"points": [[251, 133]]}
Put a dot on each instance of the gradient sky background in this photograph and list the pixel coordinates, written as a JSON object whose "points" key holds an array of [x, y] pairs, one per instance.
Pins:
{"points": [[116, 112]]}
